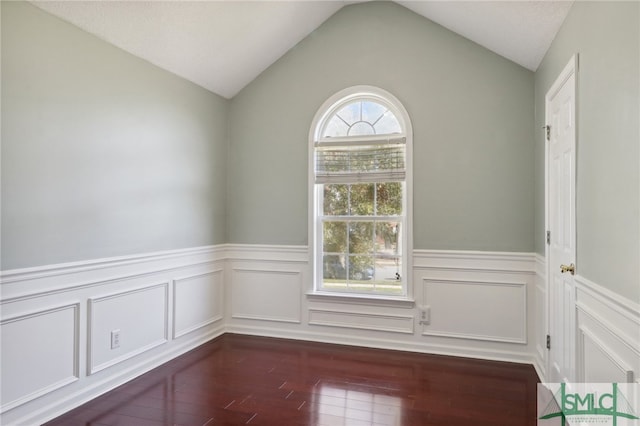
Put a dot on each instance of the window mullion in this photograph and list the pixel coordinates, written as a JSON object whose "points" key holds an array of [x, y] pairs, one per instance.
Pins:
{"points": [[374, 233], [359, 218]]}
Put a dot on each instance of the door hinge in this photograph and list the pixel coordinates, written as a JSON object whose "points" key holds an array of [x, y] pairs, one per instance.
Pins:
{"points": [[548, 342], [548, 130], [548, 237]]}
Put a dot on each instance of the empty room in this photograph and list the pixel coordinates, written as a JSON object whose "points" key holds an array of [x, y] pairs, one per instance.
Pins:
{"points": [[317, 212]]}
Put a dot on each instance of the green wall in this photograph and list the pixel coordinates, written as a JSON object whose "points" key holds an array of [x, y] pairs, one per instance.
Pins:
{"points": [[472, 114], [103, 154], [605, 35]]}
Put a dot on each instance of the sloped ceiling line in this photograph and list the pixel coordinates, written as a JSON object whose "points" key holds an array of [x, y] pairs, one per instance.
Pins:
{"points": [[224, 45]]}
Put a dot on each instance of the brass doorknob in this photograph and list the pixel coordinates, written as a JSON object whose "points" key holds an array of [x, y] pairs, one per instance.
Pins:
{"points": [[570, 268]]}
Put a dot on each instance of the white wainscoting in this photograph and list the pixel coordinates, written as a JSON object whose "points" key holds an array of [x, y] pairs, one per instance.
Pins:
{"points": [[48, 355], [266, 294], [198, 301], [477, 303], [121, 312], [473, 309], [57, 321], [362, 320], [272, 295], [608, 335]]}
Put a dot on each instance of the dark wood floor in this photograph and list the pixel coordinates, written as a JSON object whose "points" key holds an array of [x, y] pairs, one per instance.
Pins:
{"points": [[236, 380]]}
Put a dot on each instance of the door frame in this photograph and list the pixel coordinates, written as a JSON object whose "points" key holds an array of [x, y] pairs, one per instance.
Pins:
{"points": [[570, 69]]}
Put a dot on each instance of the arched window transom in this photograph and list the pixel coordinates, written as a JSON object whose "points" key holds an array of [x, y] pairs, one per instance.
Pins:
{"points": [[361, 118]]}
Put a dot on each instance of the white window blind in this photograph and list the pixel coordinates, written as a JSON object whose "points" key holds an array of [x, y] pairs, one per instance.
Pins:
{"points": [[360, 161]]}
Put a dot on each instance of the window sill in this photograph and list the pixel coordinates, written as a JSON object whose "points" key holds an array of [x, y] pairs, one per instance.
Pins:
{"points": [[362, 299]]}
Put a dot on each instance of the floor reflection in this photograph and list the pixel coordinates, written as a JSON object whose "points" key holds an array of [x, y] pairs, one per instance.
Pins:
{"points": [[335, 406]]}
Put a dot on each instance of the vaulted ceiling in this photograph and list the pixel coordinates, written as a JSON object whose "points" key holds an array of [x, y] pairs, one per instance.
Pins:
{"points": [[224, 45]]}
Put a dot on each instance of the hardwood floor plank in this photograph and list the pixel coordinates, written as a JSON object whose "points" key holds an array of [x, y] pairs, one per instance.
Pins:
{"points": [[237, 380]]}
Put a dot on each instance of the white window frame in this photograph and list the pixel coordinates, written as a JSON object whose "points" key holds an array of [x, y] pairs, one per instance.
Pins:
{"points": [[324, 113]]}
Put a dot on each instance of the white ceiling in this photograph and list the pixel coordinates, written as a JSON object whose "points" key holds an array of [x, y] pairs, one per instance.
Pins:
{"points": [[223, 45], [518, 30]]}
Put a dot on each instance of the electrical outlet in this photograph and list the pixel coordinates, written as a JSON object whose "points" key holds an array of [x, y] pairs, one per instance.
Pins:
{"points": [[425, 315], [115, 339]]}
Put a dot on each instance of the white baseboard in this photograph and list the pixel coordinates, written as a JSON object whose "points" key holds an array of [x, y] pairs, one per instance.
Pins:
{"points": [[384, 343]]}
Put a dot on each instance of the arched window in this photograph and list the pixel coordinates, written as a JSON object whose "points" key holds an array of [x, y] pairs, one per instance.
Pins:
{"points": [[360, 157]]}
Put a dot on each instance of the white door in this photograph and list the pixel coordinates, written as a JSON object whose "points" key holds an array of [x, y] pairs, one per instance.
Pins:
{"points": [[561, 253]]}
